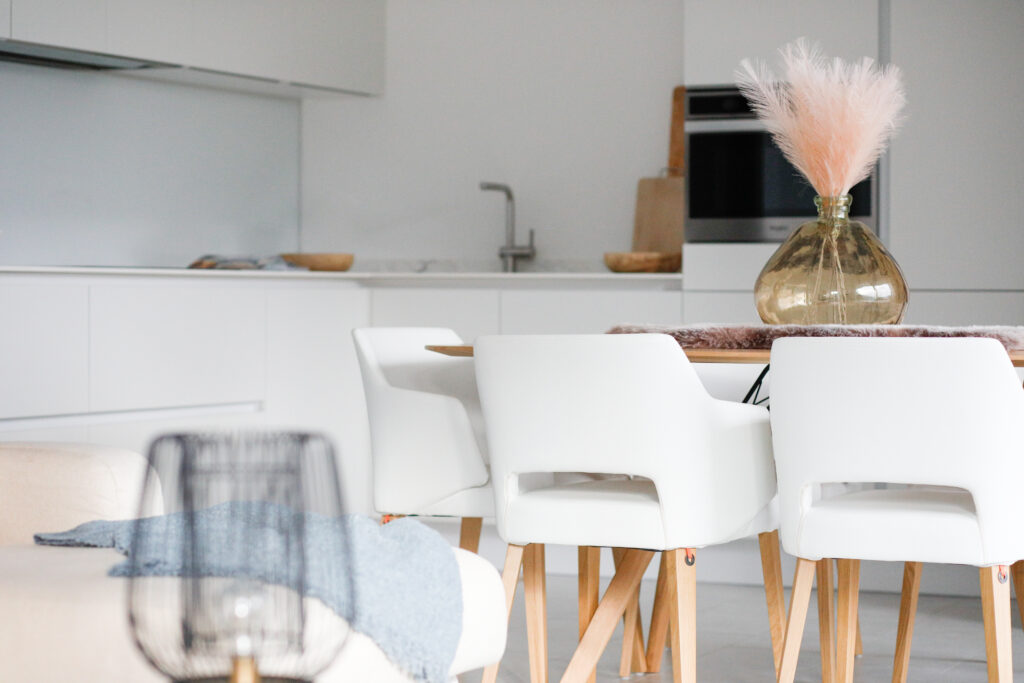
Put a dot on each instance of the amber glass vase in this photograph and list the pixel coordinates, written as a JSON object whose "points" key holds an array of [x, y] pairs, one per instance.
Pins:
{"points": [[831, 271]]}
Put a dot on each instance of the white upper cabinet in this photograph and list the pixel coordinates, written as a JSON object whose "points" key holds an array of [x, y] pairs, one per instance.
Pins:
{"points": [[159, 30], [337, 44], [247, 37], [717, 34], [75, 24], [5, 18], [325, 44]]}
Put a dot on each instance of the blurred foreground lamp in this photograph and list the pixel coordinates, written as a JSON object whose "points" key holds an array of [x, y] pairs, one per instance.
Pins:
{"points": [[218, 588]]}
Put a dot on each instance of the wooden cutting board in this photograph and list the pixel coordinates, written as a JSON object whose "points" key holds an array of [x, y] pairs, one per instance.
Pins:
{"points": [[677, 134], [658, 224]]}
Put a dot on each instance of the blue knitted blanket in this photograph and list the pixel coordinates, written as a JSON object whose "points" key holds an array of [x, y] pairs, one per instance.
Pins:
{"points": [[405, 593]]}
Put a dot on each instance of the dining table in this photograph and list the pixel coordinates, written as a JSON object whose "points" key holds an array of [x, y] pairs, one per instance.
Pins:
{"points": [[754, 356], [716, 344], [744, 343]]}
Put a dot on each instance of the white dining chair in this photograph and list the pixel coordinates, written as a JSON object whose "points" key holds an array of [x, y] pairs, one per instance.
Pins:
{"points": [[427, 442], [938, 422], [700, 473]]}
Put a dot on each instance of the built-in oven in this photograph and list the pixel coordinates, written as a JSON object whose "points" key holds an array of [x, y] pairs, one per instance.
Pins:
{"points": [[739, 186]]}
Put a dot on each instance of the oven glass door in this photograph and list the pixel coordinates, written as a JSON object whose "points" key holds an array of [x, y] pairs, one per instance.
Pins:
{"points": [[741, 187]]}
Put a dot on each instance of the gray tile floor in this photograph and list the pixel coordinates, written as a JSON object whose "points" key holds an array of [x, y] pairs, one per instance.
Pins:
{"points": [[733, 642]]}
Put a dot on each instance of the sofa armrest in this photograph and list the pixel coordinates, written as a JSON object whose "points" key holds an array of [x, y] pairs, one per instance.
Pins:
{"points": [[57, 486]]}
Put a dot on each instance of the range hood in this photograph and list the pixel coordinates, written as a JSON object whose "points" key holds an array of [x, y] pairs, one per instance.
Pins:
{"points": [[63, 58]]}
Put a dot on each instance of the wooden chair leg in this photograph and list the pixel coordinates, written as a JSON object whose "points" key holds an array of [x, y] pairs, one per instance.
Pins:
{"points": [[771, 568], [469, 533], [589, 590], [1017, 573], [860, 643], [609, 611], [826, 620], [681, 567], [798, 600], [905, 627], [535, 592], [995, 607], [658, 633], [630, 632], [509, 578], [633, 659], [849, 589]]}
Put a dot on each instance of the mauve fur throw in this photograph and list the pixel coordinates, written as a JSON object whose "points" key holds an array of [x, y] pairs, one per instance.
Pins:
{"points": [[708, 336]]}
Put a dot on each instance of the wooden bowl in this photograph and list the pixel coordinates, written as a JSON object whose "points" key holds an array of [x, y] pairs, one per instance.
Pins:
{"points": [[320, 261], [643, 261]]}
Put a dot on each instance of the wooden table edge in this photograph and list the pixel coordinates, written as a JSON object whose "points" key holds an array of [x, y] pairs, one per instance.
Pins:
{"points": [[761, 356]]}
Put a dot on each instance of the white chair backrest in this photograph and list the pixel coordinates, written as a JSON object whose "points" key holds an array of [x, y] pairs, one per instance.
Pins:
{"points": [[946, 412], [425, 426], [611, 404]]}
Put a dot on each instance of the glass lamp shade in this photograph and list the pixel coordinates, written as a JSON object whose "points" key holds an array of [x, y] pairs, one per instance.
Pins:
{"points": [[831, 271], [217, 587]]}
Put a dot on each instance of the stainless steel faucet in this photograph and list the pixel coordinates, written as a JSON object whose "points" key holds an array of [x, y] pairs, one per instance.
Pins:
{"points": [[510, 251]]}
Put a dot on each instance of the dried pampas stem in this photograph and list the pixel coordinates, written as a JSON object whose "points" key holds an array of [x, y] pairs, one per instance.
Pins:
{"points": [[832, 119]]}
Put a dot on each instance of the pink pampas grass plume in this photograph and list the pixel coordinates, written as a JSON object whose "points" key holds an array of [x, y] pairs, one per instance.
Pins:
{"points": [[832, 119]]}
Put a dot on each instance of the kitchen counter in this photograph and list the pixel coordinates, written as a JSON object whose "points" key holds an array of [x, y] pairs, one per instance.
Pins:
{"points": [[531, 280], [116, 355]]}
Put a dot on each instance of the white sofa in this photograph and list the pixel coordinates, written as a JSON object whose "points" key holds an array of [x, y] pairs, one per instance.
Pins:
{"points": [[65, 619]]}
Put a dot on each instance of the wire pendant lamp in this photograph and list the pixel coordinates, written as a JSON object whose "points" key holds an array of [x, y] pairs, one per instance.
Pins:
{"points": [[220, 586]]}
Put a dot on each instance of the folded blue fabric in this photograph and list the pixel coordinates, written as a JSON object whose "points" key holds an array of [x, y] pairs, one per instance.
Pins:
{"points": [[405, 593]]}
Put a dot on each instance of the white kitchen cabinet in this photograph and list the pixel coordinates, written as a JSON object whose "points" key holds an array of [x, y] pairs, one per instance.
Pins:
{"points": [[5, 18], [128, 431], [956, 164], [336, 44], [115, 358], [965, 308], [332, 44], [159, 30], [313, 378], [167, 346], [717, 34], [11, 431], [246, 37], [75, 24], [44, 361], [470, 312], [720, 307], [585, 312], [730, 267]]}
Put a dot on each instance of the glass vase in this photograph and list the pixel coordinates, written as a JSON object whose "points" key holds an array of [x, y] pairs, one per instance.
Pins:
{"points": [[831, 271]]}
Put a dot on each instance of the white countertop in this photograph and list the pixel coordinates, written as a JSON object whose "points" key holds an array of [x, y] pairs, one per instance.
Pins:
{"points": [[531, 280]]}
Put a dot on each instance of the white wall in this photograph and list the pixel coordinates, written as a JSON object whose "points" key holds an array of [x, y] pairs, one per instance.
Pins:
{"points": [[103, 170], [958, 163], [568, 101], [721, 33]]}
